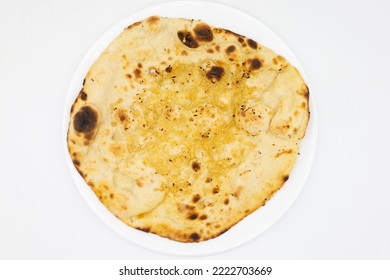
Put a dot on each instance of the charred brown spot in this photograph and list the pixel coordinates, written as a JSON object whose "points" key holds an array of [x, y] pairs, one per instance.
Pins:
{"points": [[227, 31], [252, 44], [283, 151], [240, 39], [184, 53], [285, 178], [230, 49], [226, 201], [215, 190], [153, 19], [195, 198], [195, 166], [134, 25], [210, 51], [83, 95], [203, 217], [203, 32], [128, 76], [85, 120], [217, 48], [222, 232], [139, 183], [72, 108], [189, 207], [237, 191], [139, 65], [187, 39], [168, 69], [194, 236], [124, 207], [192, 216], [255, 64], [111, 195], [305, 92], [209, 179], [80, 172], [121, 115], [215, 74], [145, 229], [137, 73], [76, 162], [279, 60]]}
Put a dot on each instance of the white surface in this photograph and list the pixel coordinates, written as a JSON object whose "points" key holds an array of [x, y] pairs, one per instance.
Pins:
{"points": [[216, 15], [344, 208]]}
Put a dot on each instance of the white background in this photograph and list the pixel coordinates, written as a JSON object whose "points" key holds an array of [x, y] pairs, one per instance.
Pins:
{"points": [[344, 209]]}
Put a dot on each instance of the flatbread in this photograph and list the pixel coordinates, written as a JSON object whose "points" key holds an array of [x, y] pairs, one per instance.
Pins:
{"points": [[183, 129]]}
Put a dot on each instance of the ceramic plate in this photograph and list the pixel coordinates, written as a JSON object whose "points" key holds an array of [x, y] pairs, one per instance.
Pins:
{"points": [[252, 226]]}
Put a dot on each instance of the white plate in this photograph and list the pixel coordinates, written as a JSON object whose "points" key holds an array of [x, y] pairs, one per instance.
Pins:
{"points": [[256, 223]]}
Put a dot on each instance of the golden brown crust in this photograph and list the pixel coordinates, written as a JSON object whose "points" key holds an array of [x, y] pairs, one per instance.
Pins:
{"points": [[183, 129]]}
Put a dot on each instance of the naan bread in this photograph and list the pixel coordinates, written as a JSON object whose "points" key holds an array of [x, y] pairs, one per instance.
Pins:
{"points": [[183, 129]]}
